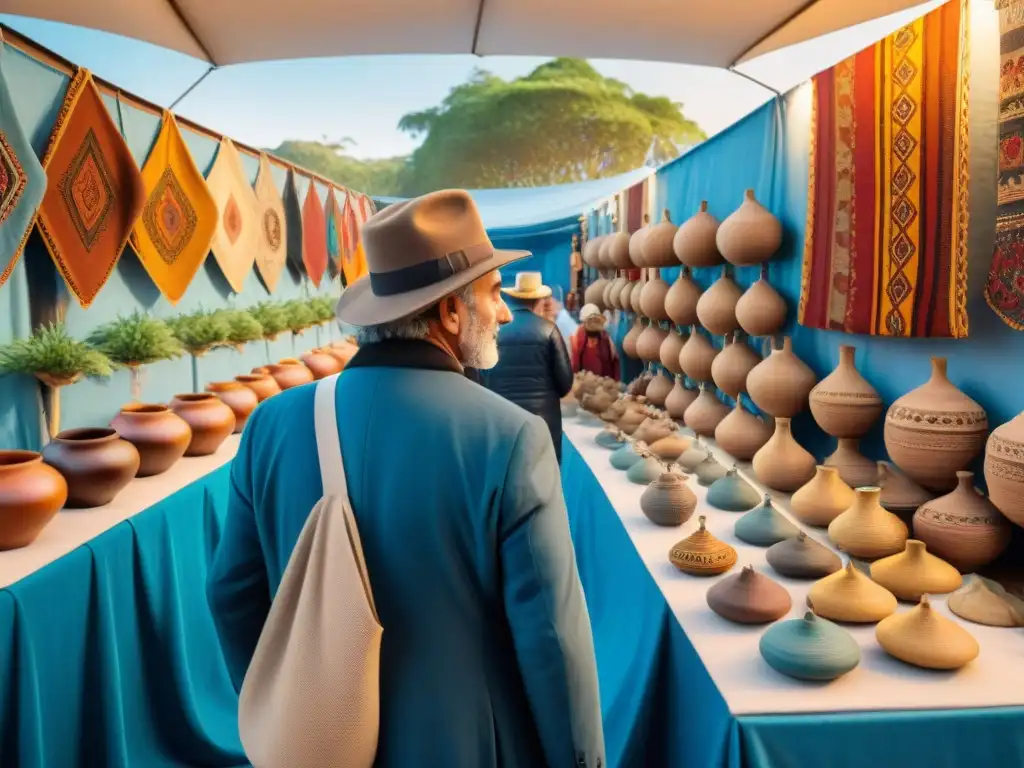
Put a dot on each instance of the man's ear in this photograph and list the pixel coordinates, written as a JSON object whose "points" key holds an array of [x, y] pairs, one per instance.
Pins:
{"points": [[449, 315]]}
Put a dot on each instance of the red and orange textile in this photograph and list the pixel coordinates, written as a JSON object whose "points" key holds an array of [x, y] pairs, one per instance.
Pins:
{"points": [[886, 241], [314, 235], [353, 261]]}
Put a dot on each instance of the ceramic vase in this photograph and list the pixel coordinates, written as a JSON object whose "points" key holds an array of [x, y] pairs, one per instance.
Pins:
{"points": [[782, 464], [866, 530], [750, 234], [749, 597], [701, 554], [96, 463], [629, 340], [935, 430], [697, 357], [595, 293], [732, 365], [590, 251], [289, 373], [679, 399], [926, 639], [210, 420], [671, 447], [618, 251], [823, 499], [625, 457], [962, 527], [638, 289], [693, 456], [741, 434], [705, 413], [716, 308], [31, 494], [669, 351], [988, 603], [681, 300], [708, 471], [658, 390], [321, 364], [915, 572], [855, 469], [263, 385], [159, 435], [694, 241], [761, 311], [780, 384], [1004, 469], [343, 351], [636, 243], [668, 501], [800, 557], [645, 471], [648, 346], [811, 648], [626, 294], [850, 596], [900, 495], [732, 493], [657, 244], [764, 526], [843, 403], [239, 398], [652, 298]]}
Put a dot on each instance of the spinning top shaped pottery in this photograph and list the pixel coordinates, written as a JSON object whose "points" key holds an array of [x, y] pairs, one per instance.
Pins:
{"points": [[672, 447], [915, 572], [849, 595], [732, 493], [709, 470], [749, 598], [645, 471], [811, 648], [625, 457], [986, 602], [764, 526], [609, 439], [866, 530], [692, 457], [923, 638], [823, 499], [801, 557], [701, 554], [668, 501]]}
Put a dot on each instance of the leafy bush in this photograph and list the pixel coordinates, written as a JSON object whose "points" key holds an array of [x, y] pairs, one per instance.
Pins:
{"points": [[52, 351], [136, 339]]}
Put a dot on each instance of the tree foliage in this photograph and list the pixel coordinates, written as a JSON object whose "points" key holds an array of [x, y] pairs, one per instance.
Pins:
{"points": [[329, 159]]}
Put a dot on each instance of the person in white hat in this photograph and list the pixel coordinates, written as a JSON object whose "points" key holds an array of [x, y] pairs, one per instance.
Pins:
{"points": [[592, 346]]}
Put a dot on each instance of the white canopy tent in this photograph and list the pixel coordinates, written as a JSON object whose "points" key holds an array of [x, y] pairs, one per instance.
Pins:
{"points": [[703, 32]]}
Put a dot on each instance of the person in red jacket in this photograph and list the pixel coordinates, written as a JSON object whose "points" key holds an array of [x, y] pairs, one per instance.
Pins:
{"points": [[592, 347]]}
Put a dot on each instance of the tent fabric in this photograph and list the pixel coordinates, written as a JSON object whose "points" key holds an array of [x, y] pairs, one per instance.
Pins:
{"points": [[686, 32]]}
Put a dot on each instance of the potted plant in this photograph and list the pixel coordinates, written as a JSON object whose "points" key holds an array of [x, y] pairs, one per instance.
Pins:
{"points": [[273, 319], [57, 360], [322, 308], [242, 327], [199, 332], [133, 341]]}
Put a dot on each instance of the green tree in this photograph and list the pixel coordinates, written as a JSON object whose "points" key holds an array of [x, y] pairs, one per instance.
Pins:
{"points": [[329, 159]]}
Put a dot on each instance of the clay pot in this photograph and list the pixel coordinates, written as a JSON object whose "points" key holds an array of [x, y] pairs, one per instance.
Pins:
{"points": [[801, 557], [764, 526], [647, 470], [210, 419], [963, 527], [843, 403], [694, 241], [855, 469], [866, 530], [823, 499], [749, 597], [239, 398], [321, 364], [658, 390], [681, 299], [590, 251], [741, 434], [761, 310], [732, 365], [750, 234], [96, 463], [652, 298], [626, 293], [705, 413], [988, 603], [697, 357], [629, 340], [708, 471], [701, 554], [595, 293], [648, 344], [263, 385], [716, 308], [926, 639], [613, 296], [783, 464], [900, 494], [604, 252], [31, 493], [693, 456], [1004, 469], [625, 457], [638, 289], [670, 349], [732, 493], [159, 436], [915, 572], [343, 351], [671, 447], [668, 501], [289, 373], [810, 648], [679, 399], [849, 595], [657, 244], [618, 251], [935, 430], [636, 243], [780, 384]]}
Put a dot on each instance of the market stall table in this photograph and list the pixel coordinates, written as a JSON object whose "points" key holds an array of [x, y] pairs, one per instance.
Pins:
{"points": [[682, 686]]}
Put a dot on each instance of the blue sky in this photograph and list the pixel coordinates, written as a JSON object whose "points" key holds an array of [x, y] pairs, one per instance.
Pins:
{"points": [[364, 97]]}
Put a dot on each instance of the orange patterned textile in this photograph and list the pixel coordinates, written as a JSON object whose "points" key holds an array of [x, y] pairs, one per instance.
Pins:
{"points": [[174, 233], [235, 239], [314, 235], [271, 241], [94, 193], [353, 262]]}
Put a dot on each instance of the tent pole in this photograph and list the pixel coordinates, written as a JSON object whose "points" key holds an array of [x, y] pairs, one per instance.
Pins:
{"points": [[755, 81], [193, 86]]}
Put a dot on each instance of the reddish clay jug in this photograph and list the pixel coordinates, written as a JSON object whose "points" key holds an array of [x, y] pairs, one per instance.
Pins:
{"points": [[239, 398], [210, 419], [31, 493], [263, 385], [96, 462], [159, 435]]}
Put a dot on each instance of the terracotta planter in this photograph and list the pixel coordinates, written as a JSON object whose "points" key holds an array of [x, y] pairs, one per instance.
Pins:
{"points": [[1004, 469], [750, 235], [239, 398], [694, 241], [263, 385], [210, 419], [321, 364], [290, 373], [31, 493], [843, 403], [780, 384], [95, 461], [159, 435], [761, 310]]}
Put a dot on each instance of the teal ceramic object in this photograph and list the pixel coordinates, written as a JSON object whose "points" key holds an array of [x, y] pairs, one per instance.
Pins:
{"points": [[811, 648], [608, 439], [708, 471], [765, 526], [732, 493], [625, 457], [692, 457], [646, 471]]}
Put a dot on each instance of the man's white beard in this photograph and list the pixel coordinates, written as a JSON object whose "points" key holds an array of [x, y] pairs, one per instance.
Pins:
{"points": [[479, 345]]}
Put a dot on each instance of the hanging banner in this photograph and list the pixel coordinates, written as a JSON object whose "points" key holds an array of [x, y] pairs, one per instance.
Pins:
{"points": [[271, 249], [235, 239], [293, 226], [314, 235], [335, 226]]}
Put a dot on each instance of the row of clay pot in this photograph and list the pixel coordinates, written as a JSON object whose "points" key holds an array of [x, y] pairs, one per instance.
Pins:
{"points": [[88, 467]]}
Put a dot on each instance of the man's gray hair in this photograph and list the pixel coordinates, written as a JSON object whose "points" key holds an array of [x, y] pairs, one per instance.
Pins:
{"points": [[412, 329]]}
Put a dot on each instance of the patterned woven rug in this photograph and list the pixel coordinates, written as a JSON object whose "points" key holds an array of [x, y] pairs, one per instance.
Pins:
{"points": [[235, 239], [271, 249]]}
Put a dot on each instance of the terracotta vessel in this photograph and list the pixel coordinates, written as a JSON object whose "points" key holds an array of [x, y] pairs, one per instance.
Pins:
{"points": [[782, 464], [652, 297], [647, 470], [595, 293], [638, 289], [780, 384], [823, 499], [915, 572], [697, 357], [900, 494], [239, 398], [855, 468], [866, 530], [263, 385], [658, 390], [708, 471], [618, 251], [935, 430], [604, 252], [668, 501], [732, 493], [741, 434], [321, 364], [810, 648], [693, 456], [31, 493], [681, 299], [670, 448], [1004, 469], [290, 373], [716, 308], [850, 596], [750, 235], [800, 557], [591, 249], [701, 554], [926, 639], [657, 245], [694, 241], [648, 346], [988, 603], [732, 365], [636, 242], [679, 399], [764, 526], [670, 348], [749, 597], [626, 294], [963, 527], [761, 310], [705, 413], [343, 351], [210, 419], [159, 435], [629, 340], [96, 463], [843, 403]]}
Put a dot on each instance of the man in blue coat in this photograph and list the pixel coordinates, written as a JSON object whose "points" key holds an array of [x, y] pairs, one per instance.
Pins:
{"points": [[487, 655]]}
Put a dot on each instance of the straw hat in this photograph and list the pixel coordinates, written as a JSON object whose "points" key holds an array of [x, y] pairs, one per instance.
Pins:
{"points": [[589, 311], [419, 251], [529, 285]]}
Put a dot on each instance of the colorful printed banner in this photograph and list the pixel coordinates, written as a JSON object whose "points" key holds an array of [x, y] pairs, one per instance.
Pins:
{"points": [[314, 235], [235, 239], [335, 225], [94, 193], [173, 235], [293, 225], [271, 247], [886, 243], [22, 183], [1004, 290], [353, 264]]}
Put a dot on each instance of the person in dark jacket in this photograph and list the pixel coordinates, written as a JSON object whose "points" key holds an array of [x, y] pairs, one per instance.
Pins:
{"points": [[533, 369]]}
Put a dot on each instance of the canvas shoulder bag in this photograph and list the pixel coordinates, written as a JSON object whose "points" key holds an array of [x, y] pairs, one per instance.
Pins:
{"points": [[311, 696]]}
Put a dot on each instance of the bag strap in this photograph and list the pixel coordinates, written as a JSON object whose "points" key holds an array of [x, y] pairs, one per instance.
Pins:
{"points": [[328, 442]]}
